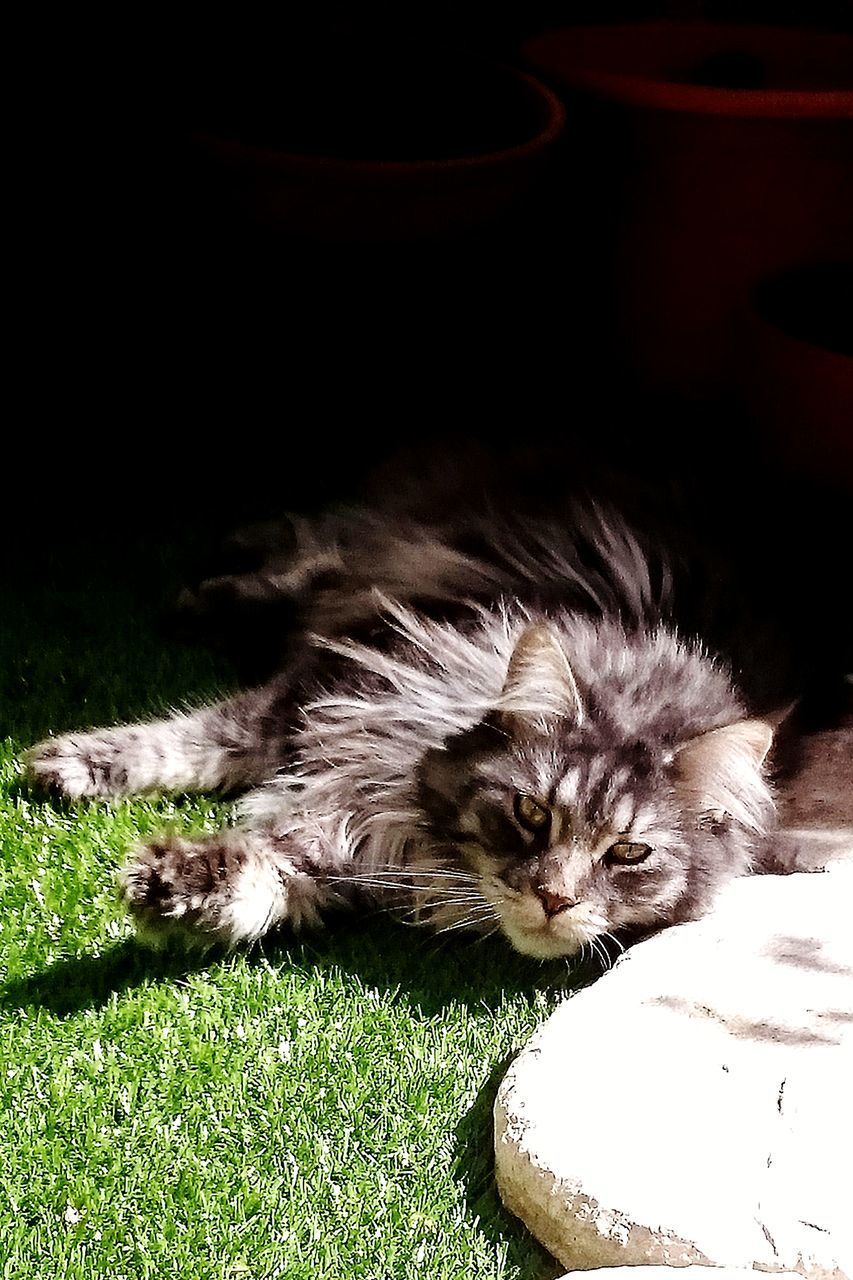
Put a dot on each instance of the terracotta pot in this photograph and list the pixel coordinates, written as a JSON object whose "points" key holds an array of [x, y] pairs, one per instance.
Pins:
{"points": [[795, 372], [713, 157], [358, 145]]}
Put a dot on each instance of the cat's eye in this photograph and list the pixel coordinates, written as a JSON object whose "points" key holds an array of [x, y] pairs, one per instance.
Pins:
{"points": [[626, 851], [532, 815]]}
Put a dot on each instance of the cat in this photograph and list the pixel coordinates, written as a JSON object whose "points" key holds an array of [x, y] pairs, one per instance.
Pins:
{"points": [[492, 722]]}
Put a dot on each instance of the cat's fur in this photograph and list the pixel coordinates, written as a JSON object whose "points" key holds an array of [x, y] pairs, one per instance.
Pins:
{"points": [[443, 669]]}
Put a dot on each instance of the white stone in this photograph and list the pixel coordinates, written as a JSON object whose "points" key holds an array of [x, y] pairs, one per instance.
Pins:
{"points": [[665, 1273], [695, 1105]]}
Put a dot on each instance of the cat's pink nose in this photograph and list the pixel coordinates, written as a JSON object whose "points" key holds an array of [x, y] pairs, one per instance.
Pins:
{"points": [[553, 903]]}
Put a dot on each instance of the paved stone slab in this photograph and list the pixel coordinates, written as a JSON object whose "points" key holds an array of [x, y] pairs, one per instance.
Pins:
{"points": [[695, 1106]]}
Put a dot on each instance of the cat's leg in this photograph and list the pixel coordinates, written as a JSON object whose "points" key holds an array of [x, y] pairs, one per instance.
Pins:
{"points": [[233, 744], [233, 887]]}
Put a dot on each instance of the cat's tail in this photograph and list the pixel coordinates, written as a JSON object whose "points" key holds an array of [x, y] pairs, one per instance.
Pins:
{"points": [[228, 889]]}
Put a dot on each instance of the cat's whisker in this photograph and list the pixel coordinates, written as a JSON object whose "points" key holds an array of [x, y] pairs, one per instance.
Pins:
{"points": [[606, 959], [490, 933], [370, 882], [477, 908], [411, 916], [395, 914], [433, 905], [462, 924], [620, 945], [596, 951], [437, 872], [425, 887], [428, 903], [441, 900], [446, 873], [473, 918], [419, 880]]}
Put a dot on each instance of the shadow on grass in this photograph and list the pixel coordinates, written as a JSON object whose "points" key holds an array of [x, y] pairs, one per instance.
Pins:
{"points": [[411, 965], [414, 967], [475, 1170], [425, 973], [88, 982]]}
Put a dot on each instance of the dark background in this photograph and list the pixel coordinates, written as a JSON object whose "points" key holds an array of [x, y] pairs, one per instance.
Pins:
{"points": [[176, 370]]}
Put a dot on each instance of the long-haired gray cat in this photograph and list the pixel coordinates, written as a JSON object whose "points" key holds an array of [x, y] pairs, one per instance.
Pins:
{"points": [[490, 721]]}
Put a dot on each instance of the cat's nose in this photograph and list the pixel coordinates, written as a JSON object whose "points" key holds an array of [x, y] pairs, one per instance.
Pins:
{"points": [[553, 903]]}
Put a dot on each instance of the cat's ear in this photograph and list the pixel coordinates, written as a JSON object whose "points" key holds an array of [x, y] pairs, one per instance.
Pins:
{"points": [[721, 770], [539, 681]]}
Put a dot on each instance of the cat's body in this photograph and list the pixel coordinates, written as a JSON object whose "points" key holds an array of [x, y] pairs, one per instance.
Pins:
{"points": [[492, 722]]}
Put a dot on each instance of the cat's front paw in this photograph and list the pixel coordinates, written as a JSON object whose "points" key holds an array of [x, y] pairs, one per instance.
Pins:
{"points": [[77, 766], [227, 889], [175, 891]]}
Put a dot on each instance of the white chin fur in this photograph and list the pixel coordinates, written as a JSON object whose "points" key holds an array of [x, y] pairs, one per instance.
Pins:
{"points": [[543, 944]]}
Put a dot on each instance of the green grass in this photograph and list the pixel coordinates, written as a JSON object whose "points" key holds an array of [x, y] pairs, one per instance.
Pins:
{"points": [[313, 1109]]}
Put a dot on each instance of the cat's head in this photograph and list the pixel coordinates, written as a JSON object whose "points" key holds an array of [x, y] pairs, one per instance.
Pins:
{"points": [[575, 827]]}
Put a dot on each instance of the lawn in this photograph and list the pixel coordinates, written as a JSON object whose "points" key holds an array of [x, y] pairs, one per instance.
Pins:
{"points": [[318, 1108]]}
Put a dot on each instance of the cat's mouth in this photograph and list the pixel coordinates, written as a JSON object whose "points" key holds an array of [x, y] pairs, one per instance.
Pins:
{"points": [[534, 933], [544, 944]]}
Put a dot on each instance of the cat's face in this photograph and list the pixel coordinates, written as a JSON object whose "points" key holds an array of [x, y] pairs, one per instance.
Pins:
{"points": [[568, 843], [573, 835]]}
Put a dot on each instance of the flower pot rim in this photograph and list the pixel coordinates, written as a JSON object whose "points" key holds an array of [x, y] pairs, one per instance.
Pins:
{"points": [[272, 157], [558, 53]]}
